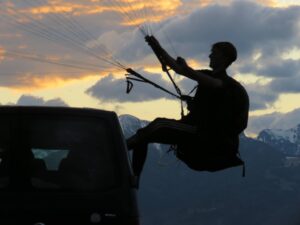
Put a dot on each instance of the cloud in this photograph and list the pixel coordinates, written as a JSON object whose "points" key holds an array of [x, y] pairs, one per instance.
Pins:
{"points": [[248, 25], [29, 100], [261, 96], [286, 85], [252, 27], [51, 36], [191, 35], [261, 34], [2, 53], [111, 89], [272, 66], [43, 8], [285, 78], [274, 121], [187, 85]]}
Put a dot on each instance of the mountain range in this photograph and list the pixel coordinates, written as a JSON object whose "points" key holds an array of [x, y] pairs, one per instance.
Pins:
{"points": [[286, 141], [171, 194]]}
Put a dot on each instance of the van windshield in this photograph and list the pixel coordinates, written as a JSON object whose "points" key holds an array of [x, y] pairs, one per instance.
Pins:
{"points": [[66, 153]]}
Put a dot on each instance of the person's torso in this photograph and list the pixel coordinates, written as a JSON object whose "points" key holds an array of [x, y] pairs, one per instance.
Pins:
{"points": [[215, 110]]}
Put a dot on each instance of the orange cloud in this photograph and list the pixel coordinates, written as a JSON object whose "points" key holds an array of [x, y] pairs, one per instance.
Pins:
{"points": [[2, 53], [74, 9], [55, 6], [51, 9], [10, 36], [134, 12], [271, 3], [204, 3], [31, 81], [35, 81]]}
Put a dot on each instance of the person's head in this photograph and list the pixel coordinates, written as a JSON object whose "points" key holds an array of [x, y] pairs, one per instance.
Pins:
{"points": [[222, 55]]}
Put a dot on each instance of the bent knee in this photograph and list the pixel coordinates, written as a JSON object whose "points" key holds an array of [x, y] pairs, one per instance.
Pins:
{"points": [[161, 120], [160, 123]]}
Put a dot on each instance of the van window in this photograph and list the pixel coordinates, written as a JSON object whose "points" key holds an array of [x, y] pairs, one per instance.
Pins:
{"points": [[52, 158], [70, 153]]}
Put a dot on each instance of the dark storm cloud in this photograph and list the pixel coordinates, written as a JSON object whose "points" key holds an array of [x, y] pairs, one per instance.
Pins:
{"points": [[111, 89], [253, 28], [261, 96], [285, 76], [273, 67], [248, 25], [286, 85]]}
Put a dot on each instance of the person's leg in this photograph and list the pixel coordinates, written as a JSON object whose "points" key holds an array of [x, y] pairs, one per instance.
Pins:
{"points": [[161, 130], [138, 158]]}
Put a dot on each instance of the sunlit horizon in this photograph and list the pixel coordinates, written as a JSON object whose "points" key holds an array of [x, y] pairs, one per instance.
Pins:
{"points": [[63, 47]]}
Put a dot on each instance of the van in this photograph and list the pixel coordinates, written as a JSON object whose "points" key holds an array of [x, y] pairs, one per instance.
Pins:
{"points": [[64, 166]]}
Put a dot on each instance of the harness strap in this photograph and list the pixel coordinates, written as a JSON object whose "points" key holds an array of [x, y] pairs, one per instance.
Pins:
{"points": [[129, 86], [244, 170], [244, 166], [166, 70], [194, 88], [140, 78]]}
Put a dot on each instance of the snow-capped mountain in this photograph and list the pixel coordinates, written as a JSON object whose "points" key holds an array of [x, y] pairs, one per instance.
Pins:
{"points": [[131, 124], [287, 141], [171, 194]]}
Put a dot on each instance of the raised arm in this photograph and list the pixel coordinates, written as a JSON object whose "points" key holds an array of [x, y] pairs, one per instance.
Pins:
{"points": [[180, 66], [162, 55]]}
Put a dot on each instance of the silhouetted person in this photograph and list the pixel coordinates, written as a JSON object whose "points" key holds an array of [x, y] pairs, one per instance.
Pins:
{"points": [[207, 138]]}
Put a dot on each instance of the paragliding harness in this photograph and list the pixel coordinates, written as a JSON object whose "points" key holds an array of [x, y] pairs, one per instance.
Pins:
{"points": [[209, 158], [135, 76], [204, 161]]}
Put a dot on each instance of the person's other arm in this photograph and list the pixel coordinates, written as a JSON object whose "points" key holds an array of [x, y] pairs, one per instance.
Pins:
{"points": [[180, 66]]}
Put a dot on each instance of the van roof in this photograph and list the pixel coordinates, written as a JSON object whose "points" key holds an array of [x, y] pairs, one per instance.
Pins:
{"points": [[54, 109]]}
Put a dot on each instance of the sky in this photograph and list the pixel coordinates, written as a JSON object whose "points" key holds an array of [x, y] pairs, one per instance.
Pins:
{"points": [[74, 53]]}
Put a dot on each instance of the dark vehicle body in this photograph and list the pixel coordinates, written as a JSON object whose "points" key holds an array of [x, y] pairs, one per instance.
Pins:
{"points": [[64, 166]]}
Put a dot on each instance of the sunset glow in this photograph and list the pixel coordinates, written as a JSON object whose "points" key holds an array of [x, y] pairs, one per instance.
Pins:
{"points": [[48, 48]]}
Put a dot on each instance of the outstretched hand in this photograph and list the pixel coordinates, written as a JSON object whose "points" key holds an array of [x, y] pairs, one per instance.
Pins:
{"points": [[158, 50], [179, 65], [152, 41], [181, 62], [148, 38]]}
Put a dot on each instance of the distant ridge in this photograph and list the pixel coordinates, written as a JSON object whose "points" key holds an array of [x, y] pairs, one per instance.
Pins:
{"points": [[172, 194], [286, 141], [130, 124]]}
